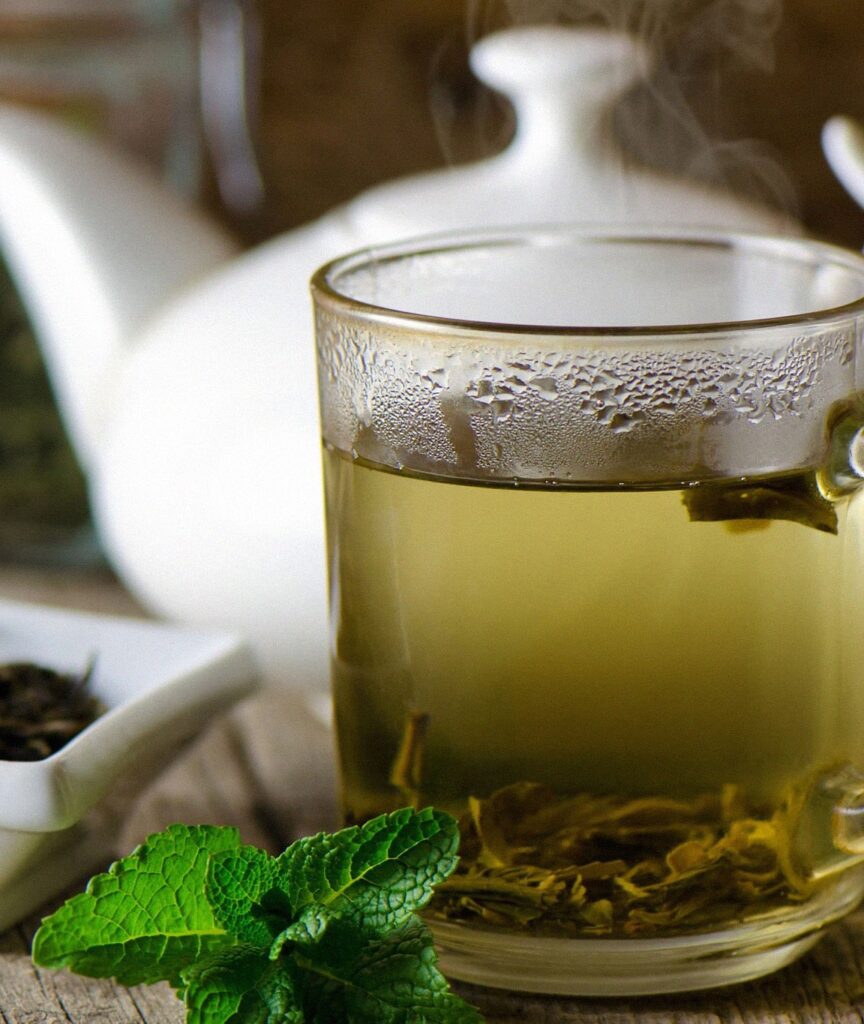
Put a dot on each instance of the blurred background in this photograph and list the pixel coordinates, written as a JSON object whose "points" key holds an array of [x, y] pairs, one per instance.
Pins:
{"points": [[271, 113]]}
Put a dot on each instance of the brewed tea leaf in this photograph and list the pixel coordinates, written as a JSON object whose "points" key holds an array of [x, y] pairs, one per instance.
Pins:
{"points": [[602, 869], [796, 499], [586, 864], [687, 856], [406, 772], [599, 914]]}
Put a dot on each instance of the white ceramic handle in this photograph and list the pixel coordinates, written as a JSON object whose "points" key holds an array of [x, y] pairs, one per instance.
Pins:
{"points": [[843, 144]]}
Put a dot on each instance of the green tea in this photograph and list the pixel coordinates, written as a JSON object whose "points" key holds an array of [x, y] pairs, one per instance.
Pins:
{"points": [[604, 645]]}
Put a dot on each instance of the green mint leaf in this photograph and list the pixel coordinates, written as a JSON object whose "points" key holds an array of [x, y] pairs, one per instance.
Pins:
{"points": [[144, 920], [309, 928], [214, 988], [274, 1001], [375, 875], [239, 985], [390, 979], [242, 889]]}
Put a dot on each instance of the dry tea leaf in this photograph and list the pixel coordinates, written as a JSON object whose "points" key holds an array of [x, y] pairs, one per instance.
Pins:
{"points": [[41, 710]]}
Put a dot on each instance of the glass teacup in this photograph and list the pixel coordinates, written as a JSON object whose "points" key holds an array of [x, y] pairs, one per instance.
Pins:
{"points": [[597, 588]]}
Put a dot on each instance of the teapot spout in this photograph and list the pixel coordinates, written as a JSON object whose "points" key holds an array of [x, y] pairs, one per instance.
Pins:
{"points": [[96, 246]]}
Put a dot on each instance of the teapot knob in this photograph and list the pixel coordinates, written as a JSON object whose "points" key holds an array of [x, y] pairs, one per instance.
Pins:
{"points": [[560, 80]]}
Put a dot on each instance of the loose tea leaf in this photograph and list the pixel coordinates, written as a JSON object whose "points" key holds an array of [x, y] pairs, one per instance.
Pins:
{"points": [[796, 499], [41, 710], [609, 865]]}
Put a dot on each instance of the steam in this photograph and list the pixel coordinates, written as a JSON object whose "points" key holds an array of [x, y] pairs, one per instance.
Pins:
{"points": [[744, 27], [676, 120]]}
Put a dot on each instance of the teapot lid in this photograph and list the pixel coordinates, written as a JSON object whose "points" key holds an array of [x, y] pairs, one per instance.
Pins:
{"points": [[563, 164]]}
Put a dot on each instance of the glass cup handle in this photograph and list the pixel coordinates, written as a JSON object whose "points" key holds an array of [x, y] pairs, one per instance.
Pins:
{"points": [[828, 832], [827, 820], [848, 817], [843, 469]]}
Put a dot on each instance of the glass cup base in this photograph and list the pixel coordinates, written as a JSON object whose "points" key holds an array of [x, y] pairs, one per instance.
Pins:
{"points": [[631, 967]]}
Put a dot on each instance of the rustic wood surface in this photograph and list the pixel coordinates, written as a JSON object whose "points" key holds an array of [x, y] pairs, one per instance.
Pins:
{"points": [[268, 769]]}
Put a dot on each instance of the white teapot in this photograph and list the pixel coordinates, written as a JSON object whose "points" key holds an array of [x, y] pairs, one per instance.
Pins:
{"points": [[185, 373]]}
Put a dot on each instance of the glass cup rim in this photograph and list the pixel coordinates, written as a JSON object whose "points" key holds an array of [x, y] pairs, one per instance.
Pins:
{"points": [[327, 294]]}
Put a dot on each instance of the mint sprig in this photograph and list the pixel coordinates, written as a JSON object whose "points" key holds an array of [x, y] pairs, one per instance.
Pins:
{"points": [[325, 932]]}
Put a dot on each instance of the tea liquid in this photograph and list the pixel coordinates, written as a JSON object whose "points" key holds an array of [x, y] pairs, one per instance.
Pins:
{"points": [[593, 641]]}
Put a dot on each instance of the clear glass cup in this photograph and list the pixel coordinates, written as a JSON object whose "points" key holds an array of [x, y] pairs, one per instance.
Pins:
{"points": [[596, 542]]}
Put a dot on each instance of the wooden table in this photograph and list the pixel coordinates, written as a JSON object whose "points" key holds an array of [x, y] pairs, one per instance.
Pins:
{"points": [[267, 768]]}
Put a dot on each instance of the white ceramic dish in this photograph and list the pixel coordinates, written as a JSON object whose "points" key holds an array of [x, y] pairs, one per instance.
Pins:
{"points": [[161, 685]]}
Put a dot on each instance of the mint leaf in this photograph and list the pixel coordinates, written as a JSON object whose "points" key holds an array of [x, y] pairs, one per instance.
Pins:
{"points": [[241, 886], [144, 920], [239, 985], [214, 989], [377, 874], [390, 979], [274, 1001], [308, 928]]}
